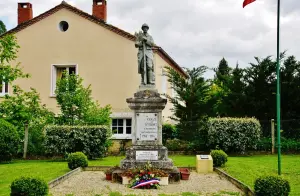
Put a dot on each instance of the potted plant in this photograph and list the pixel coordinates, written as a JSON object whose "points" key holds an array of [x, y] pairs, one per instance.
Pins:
{"points": [[109, 172], [184, 173]]}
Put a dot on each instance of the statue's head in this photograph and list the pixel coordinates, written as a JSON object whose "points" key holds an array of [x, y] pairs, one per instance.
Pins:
{"points": [[145, 28]]}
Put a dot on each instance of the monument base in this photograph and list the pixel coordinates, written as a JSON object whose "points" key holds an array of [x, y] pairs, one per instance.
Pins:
{"points": [[139, 156]]}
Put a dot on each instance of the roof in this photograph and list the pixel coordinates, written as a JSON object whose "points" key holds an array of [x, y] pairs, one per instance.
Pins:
{"points": [[98, 21]]}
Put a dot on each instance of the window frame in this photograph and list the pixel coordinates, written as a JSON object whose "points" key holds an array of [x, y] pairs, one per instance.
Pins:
{"points": [[2, 91], [124, 135], [54, 72]]}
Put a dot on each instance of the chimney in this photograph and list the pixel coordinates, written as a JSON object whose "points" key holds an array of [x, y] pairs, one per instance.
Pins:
{"points": [[24, 12], [100, 9]]}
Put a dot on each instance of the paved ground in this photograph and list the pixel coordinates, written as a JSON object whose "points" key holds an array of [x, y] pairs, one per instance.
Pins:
{"points": [[93, 182]]}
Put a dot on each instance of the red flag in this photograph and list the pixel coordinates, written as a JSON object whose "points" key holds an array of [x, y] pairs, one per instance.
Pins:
{"points": [[246, 2]]}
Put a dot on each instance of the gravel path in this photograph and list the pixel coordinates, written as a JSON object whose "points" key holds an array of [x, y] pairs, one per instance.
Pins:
{"points": [[93, 182]]}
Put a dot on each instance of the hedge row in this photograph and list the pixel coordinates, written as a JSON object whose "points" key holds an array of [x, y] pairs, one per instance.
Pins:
{"points": [[287, 145], [91, 140], [233, 134]]}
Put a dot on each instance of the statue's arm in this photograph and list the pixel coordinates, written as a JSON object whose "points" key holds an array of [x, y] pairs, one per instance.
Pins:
{"points": [[150, 42], [138, 44]]}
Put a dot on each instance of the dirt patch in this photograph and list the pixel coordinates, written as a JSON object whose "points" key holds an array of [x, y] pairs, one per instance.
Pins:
{"points": [[93, 182]]}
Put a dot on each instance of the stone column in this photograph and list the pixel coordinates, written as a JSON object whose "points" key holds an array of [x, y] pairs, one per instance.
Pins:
{"points": [[147, 106]]}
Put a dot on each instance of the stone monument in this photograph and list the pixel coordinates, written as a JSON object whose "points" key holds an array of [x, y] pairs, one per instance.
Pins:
{"points": [[147, 106]]}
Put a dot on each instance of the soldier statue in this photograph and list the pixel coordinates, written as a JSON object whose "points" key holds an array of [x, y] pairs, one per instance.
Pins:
{"points": [[144, 43]]}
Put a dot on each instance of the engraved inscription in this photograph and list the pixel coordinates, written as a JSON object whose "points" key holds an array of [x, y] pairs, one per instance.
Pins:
{"points": [[147, 155], [147, 129]]}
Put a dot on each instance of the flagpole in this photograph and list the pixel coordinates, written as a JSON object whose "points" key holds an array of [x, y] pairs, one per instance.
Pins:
{"points": [[278, 88]]}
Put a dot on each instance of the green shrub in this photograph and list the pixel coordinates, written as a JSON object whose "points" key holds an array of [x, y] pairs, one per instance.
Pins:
{"points": [[176, 145], [9, 140], [91, 140], [29, 186], [271, 186], [77, 159], [234, 134], [219, 157], [168, 132], [287, 145]]}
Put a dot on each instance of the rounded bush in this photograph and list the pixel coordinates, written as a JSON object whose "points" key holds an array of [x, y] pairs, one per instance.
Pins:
{"points": [[29, 186], [219, 157], [271, 186], [9, 140], [77, 159]]}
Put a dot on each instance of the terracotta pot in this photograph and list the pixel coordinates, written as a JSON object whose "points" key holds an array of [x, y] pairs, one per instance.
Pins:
{"points": [[108, 176], [184, 173]]}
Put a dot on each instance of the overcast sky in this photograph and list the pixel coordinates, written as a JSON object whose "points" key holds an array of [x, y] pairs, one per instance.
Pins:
{"points": [[196, 32]]}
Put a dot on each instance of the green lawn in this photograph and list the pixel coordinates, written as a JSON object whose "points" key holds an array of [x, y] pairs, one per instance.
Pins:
{"points": [[44, 169], [247, 169]]}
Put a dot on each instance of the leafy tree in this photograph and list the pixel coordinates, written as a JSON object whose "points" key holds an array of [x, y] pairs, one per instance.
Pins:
{"points": [[76, 104], [219, 89], [24, 110], [260, 78], [2, 27], [223, 71], [236, 99], [8, 53], [189, 104]]}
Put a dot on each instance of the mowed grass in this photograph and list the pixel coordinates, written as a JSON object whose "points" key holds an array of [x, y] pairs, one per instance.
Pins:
{"points": [[247, 169], [44, 169]]}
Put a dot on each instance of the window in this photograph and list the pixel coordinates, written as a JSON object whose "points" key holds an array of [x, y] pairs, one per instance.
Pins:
{"points": [[57, 74], [3, 88], [121, 128], [63, 26]]}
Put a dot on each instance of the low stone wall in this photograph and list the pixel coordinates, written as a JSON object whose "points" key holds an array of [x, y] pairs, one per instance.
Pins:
{"points": [[96, 168], [60, 179], [246, 189]]}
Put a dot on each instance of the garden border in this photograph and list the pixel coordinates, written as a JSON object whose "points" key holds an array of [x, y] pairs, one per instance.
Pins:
{"points": [[64, 177], [245, 188]]}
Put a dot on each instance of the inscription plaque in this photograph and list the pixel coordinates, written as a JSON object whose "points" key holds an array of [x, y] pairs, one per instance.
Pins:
{"points": [[147, 155], [147, 129]]}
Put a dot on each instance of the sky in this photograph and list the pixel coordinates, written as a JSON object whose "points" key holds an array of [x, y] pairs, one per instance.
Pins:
{"points": [[194, 32]]}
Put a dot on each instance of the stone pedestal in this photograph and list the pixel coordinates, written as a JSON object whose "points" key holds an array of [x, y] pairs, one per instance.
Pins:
{"points": [[147, 131], [204, 164]]}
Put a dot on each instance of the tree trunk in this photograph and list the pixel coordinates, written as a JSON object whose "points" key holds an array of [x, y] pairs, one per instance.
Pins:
{"points": [[25, 141]]}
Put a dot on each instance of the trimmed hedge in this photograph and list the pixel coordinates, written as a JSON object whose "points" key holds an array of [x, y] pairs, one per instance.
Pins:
{"points": [[77, 159], [271, 186], [9, 140], [287, 145], [91, 140], [29, 186], [176, 145], [219, 157], [233, 134]]}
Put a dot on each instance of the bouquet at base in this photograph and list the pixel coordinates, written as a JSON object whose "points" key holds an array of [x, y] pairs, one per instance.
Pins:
{"points": [[145, 178]]}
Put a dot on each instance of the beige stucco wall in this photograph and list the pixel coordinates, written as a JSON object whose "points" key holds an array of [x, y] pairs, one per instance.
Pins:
{"points": [[105, 59]]}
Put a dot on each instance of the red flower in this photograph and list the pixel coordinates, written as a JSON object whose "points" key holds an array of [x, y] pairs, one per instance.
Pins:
{"points": [[149, 173]]}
